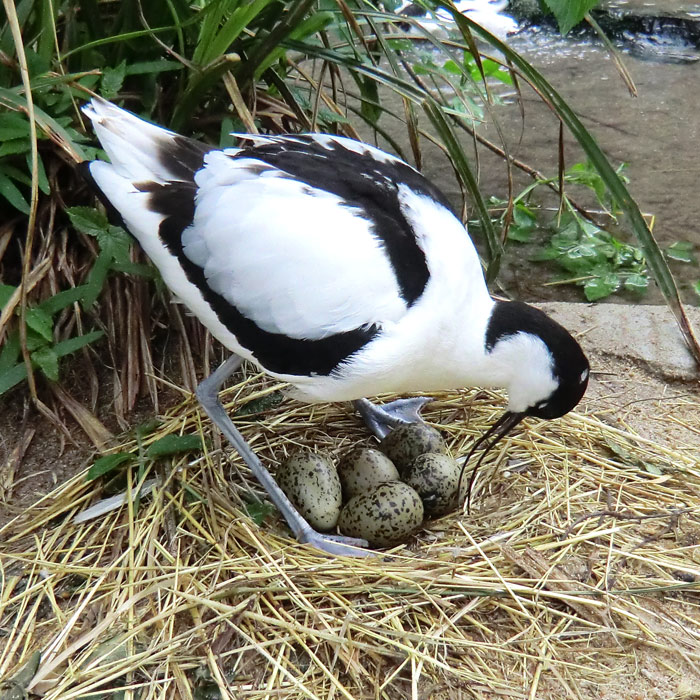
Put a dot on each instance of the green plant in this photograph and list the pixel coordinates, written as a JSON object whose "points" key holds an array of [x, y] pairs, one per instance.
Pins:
{"points": [[167, 446], [44, 351], [114, 254], [589, 256], [595, 259], [15, 152], [114, 250]]}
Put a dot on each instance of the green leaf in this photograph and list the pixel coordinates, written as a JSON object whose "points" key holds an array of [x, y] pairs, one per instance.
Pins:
{"points": [[15, 688], [520, 234], [420, 69], [147, 428], [14, 146], [452, 67], [271, 47], [47, 361], [653, 468], [112, 80], [696, 288], [523, 224], [239, 19], [136, 269], [35, 341], [48, 124], [43, 179], [97, 277], [174, 444], [9, 355], [369, 91], [622, 452], [152, 67], [70, 345], [493, 70], [601, 287], [637, 283], [88, 220], [61, 300], [6, 291], [569, 13], [628, 457], [108, 463], [12, 376], [565, 239], [9, 191], [40, 322], [264, 403], [581, 258], [524, 216], [117, 242], [192, 496], [682, 251], [548, 253], [13, 126]]}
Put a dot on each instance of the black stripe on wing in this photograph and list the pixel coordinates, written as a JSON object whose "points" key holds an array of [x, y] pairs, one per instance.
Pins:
{"points": [[276, 352], [363, 182], [182, 157]]}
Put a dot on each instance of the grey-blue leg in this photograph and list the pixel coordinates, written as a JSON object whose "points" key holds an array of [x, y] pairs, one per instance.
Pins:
{"points": [[381, 420], [208, 395]]}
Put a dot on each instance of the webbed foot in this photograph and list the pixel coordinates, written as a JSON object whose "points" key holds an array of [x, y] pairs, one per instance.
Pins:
{"points": [[381, 420]]}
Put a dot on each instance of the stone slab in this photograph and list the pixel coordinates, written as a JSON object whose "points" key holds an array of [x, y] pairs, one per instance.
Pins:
{"points": [[642, 333]]}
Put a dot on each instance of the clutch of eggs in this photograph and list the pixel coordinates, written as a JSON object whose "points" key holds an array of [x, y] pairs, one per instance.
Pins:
{"points": [[380, 495]]}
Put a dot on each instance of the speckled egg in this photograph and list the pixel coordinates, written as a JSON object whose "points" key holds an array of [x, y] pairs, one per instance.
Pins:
{"points": [[364, 469], [403, 444], [385, 516], [435, 477], [311, 483]]}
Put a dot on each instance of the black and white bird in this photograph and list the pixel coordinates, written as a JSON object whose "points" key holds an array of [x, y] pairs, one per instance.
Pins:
{"points": [[333, 266]]}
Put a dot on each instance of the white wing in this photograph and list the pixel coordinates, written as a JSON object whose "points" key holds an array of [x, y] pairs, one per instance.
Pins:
{"points": [[293, 259]]}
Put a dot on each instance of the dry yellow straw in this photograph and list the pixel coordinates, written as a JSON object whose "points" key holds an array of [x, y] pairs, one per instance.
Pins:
{"points": [[577, 569]]}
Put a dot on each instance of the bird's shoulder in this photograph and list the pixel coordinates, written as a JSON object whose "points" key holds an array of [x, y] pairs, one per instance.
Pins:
{"points": [[356, 172]]}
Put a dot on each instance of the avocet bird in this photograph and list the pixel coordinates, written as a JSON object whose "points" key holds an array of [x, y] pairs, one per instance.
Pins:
{"points": [[333, 266]]}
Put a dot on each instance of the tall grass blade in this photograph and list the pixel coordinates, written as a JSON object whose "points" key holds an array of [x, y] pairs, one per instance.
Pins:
{"points": [[464, 171]]}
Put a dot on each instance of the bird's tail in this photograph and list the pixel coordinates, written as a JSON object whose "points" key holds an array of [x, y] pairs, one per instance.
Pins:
{"points": [[146, 161], [140, 151]]}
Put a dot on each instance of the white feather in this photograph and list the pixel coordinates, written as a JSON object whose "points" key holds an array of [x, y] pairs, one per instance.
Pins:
{"points": [[293, 259], [439, 343]]}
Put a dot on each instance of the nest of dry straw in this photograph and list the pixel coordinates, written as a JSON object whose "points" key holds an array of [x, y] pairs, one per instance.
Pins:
{"points": [[578, 556]]}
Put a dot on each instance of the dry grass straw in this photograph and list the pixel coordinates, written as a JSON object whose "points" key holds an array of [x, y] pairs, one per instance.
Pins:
{"points": [[579, 556]]}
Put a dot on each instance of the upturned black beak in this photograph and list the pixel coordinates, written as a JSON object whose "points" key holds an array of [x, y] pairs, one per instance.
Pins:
{"points": [[498, 430]]}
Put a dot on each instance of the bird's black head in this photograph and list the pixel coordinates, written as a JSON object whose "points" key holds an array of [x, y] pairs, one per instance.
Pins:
{"points": [[546, 369], [550, 371]]}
